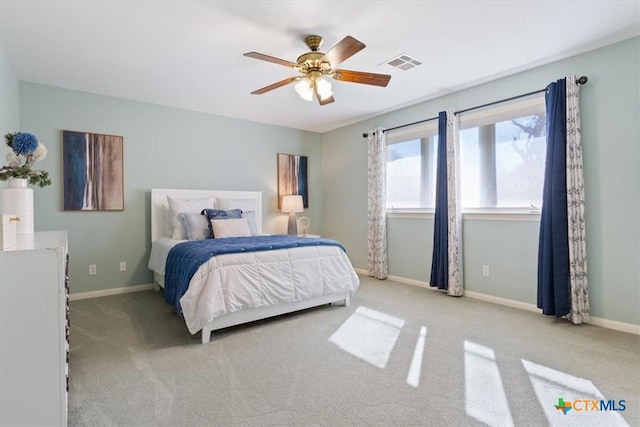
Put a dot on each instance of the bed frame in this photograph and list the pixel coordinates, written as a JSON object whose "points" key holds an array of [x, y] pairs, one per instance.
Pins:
{"points": [[159, 202]]}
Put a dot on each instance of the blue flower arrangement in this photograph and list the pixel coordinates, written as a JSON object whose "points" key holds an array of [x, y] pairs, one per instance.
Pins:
{"points": [[24, 143], [25, 151]]}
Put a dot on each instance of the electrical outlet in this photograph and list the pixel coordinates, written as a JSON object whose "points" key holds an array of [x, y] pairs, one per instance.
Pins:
{"points": [[92, 269], [123, 265], [485, 270]]}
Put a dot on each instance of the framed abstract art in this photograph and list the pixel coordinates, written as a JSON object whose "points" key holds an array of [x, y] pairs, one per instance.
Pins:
{"points": [[292, 177], [93, 171]]}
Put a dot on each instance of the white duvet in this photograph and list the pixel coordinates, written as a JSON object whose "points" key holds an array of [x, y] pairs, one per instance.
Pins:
{"points": [[233, 282]]}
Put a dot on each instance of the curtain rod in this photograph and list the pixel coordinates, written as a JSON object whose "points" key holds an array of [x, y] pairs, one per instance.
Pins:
{"points": [[582, 80]]}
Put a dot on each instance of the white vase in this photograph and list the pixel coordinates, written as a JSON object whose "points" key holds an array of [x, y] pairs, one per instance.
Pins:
{"points": [[17, 199]]}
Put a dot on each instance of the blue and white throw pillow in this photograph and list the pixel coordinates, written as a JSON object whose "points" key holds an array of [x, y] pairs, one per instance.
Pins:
{"points": [[220, 214]]}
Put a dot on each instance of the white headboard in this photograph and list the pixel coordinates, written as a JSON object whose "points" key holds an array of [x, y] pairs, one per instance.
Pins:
{"points": [[159, 200]]}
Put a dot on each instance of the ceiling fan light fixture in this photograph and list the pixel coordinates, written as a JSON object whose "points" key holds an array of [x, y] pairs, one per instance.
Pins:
{"points": [[305, 89], [323, 87]]}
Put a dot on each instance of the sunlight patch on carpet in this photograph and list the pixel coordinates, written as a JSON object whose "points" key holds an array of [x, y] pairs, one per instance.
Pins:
{"points": [[369, 335], [413, 379], [578, 396], [485, 398]]}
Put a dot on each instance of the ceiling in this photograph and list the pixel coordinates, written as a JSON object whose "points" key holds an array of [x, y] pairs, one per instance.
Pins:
{"points": [[189, 54]]}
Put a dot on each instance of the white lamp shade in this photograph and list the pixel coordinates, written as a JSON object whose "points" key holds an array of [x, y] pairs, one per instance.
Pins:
{"points": [[305, 89], [292, 203], [324, 88]]}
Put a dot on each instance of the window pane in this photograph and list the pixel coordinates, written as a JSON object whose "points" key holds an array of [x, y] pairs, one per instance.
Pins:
{"points": [[429, 180], [470, 168], [520, 157], [502, 164], [403, 174]]}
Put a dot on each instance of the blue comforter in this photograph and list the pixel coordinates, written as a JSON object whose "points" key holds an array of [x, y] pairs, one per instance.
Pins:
{"points": [[185, 258]]}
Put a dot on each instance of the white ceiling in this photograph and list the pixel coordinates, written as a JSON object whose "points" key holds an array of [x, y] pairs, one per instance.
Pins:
{"points": [[188, 54]]}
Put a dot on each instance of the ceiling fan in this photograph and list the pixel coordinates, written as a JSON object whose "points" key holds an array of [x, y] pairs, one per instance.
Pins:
{"points": [[314, 66]]}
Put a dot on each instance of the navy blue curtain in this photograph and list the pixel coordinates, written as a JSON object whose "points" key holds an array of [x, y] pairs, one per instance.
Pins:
{"points": [[440, 258], [553, 246], [302, 180]]}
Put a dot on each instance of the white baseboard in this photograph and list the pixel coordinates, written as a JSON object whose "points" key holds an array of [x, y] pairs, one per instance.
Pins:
{"points": [[399, 279], [502, 301], [614, 324], [597, 321], [109, 292]]}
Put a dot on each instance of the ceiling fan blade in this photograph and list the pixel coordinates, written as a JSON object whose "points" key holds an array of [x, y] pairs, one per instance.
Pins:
{"points": [[275, 85], [362, 77], [345, 49], [268, 58], [325, 101]]}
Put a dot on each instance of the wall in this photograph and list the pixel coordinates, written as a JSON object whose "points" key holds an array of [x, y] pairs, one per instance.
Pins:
{"points": [[610, 136], [9, 103], [163, 148]]}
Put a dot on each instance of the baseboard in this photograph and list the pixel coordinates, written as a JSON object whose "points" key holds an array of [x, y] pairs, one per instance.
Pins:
{"points": [[597, 321], [614, 324], [502, 301], [109, 292], [399, 279]]}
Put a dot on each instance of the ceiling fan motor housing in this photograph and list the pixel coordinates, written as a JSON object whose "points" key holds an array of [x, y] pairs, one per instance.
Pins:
{"points": [[314, 42], [310, 61]]}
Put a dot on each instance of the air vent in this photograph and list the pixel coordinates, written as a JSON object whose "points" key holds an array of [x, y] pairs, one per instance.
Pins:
{"points": [[402, 62]]}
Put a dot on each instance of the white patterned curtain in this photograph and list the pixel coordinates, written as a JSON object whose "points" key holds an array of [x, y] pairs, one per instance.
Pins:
{"points": [[578, 286], [454, 206], [377, 265]]}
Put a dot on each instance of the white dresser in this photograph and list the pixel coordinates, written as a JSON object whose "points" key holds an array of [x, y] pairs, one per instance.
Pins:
{"points": [[34, 331]]}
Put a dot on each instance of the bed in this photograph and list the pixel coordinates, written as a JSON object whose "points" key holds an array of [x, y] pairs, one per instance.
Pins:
{"points": [[227, 287]]}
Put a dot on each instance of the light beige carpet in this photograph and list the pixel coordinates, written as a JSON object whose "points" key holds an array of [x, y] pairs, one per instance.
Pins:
{"points": [[398, 356]]}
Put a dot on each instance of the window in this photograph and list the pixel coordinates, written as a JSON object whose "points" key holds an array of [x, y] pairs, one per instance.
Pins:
{"points": [[502, 156], [411, 169]]}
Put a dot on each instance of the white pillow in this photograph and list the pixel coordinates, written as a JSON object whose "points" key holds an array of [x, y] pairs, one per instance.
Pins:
{"points": [[166, 219], [177, 206], [232, 227], [245, 205], [251, 220]]}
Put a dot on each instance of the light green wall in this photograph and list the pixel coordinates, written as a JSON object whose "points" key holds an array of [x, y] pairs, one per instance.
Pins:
{"points": [[9, 101], [510, 249], [163, 148], [409, 264], [611, 140]]}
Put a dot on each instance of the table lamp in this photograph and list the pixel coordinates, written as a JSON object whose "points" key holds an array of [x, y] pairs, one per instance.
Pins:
{"points": [[292, 204]]}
